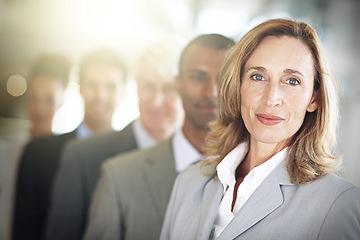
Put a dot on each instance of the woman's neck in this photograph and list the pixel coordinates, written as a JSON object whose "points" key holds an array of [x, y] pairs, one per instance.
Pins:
{"points": [[260, 152]]}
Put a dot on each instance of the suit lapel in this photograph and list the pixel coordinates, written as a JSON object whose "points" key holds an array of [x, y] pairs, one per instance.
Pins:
{"points": [[212, 196], [160, 175], [266, 198], [123, 140]]}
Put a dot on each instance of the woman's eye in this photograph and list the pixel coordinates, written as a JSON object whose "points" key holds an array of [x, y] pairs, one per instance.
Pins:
{"points": [[293, 81], [257, 77]]}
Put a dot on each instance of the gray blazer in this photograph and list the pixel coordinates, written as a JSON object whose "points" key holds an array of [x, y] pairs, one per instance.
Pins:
{"points": [[76, 180], [132, 194], [328, 208]]}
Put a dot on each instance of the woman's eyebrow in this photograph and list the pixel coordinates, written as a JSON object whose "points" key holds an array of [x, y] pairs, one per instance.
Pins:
{"points": [[292, 71], [262, 69], [258, 68]]}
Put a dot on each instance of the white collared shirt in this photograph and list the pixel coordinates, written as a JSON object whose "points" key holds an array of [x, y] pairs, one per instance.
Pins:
{"points": [[226, 174], [185, 153], [142, 136]]}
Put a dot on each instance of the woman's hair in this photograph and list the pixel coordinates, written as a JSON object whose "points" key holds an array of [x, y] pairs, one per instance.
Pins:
{"points": [[310, 151]]}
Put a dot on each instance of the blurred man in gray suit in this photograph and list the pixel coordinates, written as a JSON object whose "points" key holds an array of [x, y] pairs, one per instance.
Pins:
{"points": [[132, 194], [160, 115]]}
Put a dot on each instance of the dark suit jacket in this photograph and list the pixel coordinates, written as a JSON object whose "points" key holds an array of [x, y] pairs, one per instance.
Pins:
{"points": [[34, 179], [76, 180]]}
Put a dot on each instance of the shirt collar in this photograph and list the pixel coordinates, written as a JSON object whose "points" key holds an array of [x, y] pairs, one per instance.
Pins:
{"points": [[227, 167], [185, 153], [83, 131], [142, 136]]}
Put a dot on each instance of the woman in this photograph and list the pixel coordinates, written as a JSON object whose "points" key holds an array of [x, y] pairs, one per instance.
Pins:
{"points": [[269, 167]]}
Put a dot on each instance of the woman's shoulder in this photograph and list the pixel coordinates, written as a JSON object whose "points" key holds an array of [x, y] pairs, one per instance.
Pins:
{"points": [[341, 200], [337, 183], [334, 186]]}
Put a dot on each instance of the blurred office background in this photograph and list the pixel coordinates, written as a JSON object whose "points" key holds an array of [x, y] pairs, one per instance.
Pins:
{"points": [[28, 28]]}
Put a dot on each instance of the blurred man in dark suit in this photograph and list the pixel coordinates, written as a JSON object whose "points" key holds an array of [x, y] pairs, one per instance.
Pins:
{"points": [[102, 79], [47, 82]]}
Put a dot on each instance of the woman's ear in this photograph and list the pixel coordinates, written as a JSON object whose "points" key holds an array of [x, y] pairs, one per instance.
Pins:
{"points": [[314, 103]]}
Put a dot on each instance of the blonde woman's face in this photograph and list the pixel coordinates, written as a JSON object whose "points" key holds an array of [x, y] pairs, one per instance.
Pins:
{"points": [[277, 89]]}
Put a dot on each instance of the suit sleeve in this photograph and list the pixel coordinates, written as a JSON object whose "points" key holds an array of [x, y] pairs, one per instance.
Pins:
{"points": [[104, 218], [67, 212], [343, 218]]}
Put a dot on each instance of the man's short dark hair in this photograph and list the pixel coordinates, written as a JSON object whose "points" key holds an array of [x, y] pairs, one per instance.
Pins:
{"points": [[214, 40]]}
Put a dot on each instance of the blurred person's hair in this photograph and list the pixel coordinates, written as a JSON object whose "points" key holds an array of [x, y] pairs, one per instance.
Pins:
{"points": [[215, 41], [161, 56], [103, 57], [310, 151], [51, 65]]}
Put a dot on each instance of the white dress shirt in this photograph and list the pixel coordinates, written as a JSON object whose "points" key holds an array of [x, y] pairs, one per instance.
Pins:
{"points": [[226, 174], [142, 136], [185, 153]]}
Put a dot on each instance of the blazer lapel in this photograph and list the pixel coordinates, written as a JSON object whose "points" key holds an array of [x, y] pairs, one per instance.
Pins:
{"points": [[123, 140], [160, 175], [266, 198], [212, 196]]}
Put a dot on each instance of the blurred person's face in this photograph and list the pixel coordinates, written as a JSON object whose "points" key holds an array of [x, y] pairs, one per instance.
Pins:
{"points": [[277, 90], [159, 103], [45, 96], [197, 84], [101, 87]]}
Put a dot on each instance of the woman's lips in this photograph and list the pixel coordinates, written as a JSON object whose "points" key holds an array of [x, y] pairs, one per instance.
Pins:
{"points": [[269, 120]]}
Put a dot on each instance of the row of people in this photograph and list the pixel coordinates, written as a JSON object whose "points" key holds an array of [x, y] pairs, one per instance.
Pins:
{"points": [[260, 118], [77, 171]]}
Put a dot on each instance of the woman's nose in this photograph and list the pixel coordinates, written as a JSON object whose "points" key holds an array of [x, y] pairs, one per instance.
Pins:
{"points": [[272, 96]]}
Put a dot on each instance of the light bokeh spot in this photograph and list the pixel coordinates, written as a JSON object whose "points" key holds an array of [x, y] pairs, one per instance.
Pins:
{"points": [[16, 85]]}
